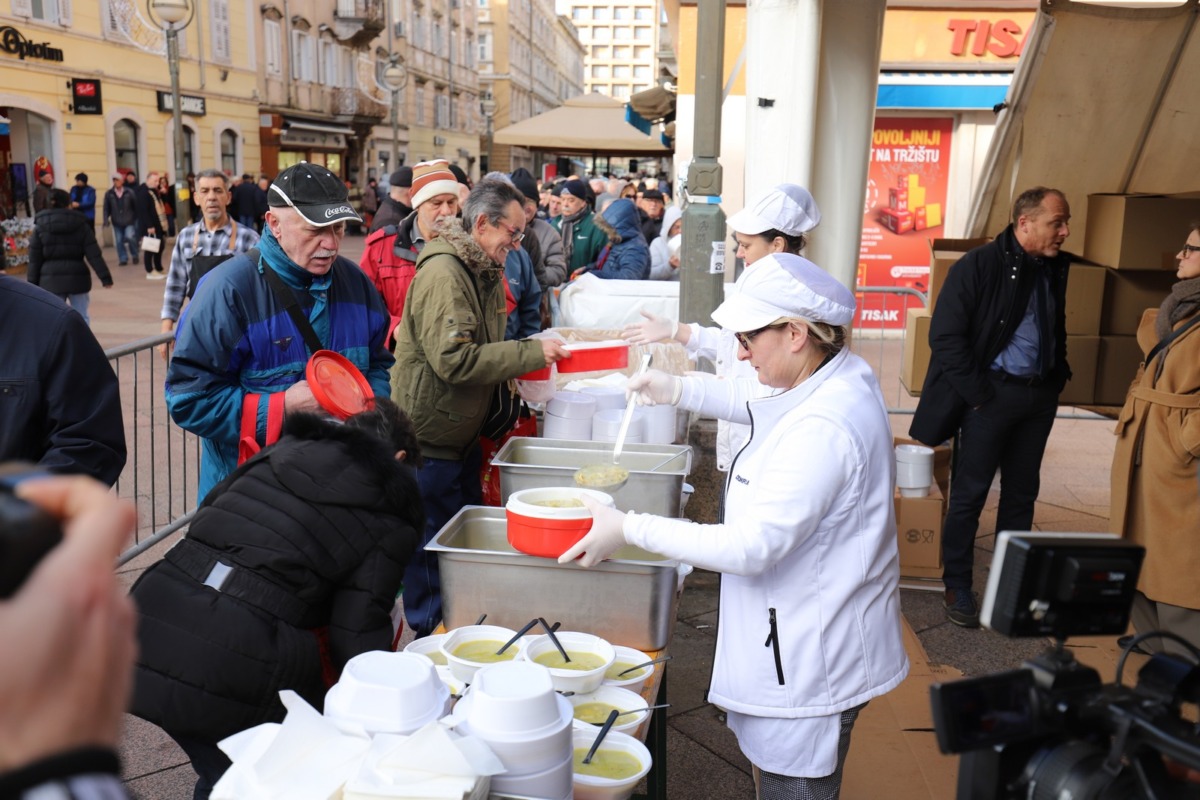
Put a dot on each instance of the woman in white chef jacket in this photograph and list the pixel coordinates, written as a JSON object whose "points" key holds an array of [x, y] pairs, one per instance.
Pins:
{"points": [[810, 607], [777, 222]]}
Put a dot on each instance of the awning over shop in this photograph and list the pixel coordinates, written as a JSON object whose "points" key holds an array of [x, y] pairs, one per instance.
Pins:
{"points": [[322, 136], [592, 123], [946, 91]]}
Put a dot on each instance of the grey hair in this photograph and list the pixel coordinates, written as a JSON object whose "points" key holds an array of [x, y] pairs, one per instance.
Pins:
{"points": [[498, 176], [490, 198], [1029, 202], [213, 173]]}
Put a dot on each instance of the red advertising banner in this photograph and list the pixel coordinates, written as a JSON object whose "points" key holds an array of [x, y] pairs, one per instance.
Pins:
{"points": [[905, 207]]}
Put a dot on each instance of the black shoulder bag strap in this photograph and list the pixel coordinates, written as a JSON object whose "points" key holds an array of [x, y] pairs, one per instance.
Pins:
{"points": [[290, 304], [1172, 336]]}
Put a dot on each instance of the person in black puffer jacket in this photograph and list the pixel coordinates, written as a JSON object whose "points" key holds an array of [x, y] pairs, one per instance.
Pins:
{"points": [[62, 239], [306, 545]]}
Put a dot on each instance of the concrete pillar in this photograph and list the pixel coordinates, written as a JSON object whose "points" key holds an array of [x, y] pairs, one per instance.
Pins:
{"points": [[782, 64], [851, 36]]}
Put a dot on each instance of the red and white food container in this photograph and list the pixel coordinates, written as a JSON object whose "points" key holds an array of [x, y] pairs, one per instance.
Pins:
{"points": [[548, 531], [605, 356]]}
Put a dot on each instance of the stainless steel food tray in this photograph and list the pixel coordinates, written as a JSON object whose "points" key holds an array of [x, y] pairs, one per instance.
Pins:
{"points": [[627, 600], [657, 471]]}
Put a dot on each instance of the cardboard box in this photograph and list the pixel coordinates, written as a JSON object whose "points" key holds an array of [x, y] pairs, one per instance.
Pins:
{"points": [[1138, 231], [1127, 294], [941, 463], [944, 254], [896, 221], [916, 350], [1083, 354], [1120, 357], [919, 530], [1085, 299]]}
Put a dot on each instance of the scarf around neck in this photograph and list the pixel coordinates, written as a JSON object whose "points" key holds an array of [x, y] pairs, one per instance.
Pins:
{"points": [[568, 231], [1181, 303], [299, 279]]}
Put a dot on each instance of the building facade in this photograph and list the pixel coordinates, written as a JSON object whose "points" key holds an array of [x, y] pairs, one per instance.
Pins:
{"points": [[86, 87], [621, 37], [530, 61]]}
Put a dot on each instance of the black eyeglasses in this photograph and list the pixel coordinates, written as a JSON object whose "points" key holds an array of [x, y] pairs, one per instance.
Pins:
{"points": [[1188, 249], [514, 234], [744, 339]]}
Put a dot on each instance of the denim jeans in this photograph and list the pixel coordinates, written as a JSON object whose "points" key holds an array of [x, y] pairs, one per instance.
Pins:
{"points": [[79, 302], [446, 486], [1008, 433], [126, 239]]}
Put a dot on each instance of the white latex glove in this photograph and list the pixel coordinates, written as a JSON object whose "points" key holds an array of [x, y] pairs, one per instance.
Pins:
{"points": [[606, 537], [654, 329], [654, 387]]}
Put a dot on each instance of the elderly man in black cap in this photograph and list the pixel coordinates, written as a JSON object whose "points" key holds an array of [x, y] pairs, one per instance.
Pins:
{"points": [[245, 340], [398, 204], [582, 238], [650, 210]]}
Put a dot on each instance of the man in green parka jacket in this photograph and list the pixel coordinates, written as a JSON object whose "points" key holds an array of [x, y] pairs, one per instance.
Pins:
{"points": [[582, 238], [450, 358]]}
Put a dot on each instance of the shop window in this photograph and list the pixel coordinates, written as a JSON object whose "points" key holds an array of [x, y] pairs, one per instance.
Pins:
{"points": [[229, 152], [125, 145], [189, 149]]}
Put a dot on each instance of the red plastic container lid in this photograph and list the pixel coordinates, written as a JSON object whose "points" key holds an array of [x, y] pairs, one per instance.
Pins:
{"points": [[338, 385], [592, 356]]}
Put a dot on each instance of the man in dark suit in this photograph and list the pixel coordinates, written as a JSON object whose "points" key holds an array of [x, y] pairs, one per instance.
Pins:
{"points": [[999, 360]]}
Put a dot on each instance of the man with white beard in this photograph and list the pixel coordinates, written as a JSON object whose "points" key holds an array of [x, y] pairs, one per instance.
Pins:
{"points": [[390, 256], [245, 339]]}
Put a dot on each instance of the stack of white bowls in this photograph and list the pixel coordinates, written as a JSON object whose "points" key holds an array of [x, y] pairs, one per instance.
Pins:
{"points": [[385, 692], [607, 397], [914, 469], [512, 706], [569, 416], [607, 424]]}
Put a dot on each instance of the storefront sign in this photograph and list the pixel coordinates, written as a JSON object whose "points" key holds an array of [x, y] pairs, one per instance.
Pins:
{"points": [[188, 104], [905, 207], [85, 96], [15, 44], [959, 38]]}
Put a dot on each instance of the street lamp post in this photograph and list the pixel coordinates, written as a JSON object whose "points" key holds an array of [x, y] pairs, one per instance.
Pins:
{"points": [[487, 106], [173, 16], [395, 77]]}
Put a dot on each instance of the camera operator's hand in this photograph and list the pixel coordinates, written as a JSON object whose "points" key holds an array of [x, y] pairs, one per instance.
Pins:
{"points": [[67, 638]]}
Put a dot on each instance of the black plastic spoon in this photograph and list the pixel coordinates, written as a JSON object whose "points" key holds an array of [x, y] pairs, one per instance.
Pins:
{"points": [[520, 633], [658, 660], [550, 632], [604, 729]]}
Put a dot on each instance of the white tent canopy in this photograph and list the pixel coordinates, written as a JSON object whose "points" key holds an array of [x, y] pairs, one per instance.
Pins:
{"points": [[590, 123]]}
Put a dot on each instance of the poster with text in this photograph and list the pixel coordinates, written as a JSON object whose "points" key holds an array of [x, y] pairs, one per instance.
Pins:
{"points": [[905, 207]]}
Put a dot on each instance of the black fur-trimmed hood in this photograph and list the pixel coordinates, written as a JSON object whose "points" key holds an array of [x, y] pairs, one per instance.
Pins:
{"points": [[364, 460]]}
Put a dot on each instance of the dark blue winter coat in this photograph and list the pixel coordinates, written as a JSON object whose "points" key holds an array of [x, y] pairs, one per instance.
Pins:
{"points": [[628, 258]]}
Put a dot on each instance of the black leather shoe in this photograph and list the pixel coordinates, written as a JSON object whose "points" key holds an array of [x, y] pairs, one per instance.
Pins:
{"points": [[960, 608], [1124, 641]]}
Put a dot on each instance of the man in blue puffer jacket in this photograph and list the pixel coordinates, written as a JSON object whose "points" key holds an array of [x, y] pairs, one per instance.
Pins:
{"points": [[239, 363], [627, 256]]}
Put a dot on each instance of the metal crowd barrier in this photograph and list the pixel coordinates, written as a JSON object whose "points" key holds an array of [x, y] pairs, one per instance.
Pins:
{"points": [[161, 472], [882, 346]]}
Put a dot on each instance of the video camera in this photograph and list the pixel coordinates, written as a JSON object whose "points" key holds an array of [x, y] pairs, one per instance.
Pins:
{"points": [[1052, 729]]}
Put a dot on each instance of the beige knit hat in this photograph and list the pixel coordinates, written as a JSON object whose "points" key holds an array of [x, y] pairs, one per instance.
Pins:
{"points": [[431, 178]]}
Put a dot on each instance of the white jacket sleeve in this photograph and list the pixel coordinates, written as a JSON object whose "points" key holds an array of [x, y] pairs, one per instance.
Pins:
{"points": [[703, 342], [723, 398], [793, 493]]}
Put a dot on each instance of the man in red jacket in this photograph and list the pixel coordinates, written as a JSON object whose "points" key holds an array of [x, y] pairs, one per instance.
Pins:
{"points": [[390, 256]]}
